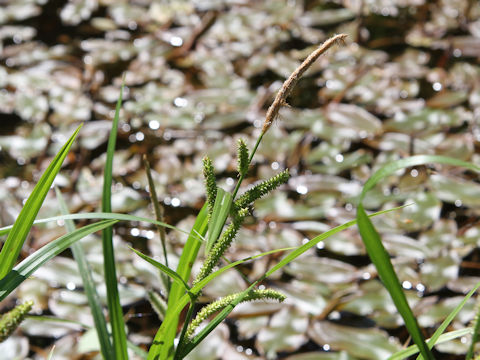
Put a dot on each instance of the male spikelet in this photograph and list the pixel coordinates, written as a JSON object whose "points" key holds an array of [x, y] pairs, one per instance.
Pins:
{"points": [[221, 245], [210, 183], [262, 189], [218, 305], [11, 320]]}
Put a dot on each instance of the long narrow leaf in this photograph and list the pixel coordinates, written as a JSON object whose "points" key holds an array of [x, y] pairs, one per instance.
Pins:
{"points": [[381, 260], [221, 209], [443, 326], [163, 268], [89, 286], [449, 336], [14, 242], [287, 259], [162, 346], [183, 301], [379, 255], [99, 215], [476, 335], [113, 299], [28, 266]]}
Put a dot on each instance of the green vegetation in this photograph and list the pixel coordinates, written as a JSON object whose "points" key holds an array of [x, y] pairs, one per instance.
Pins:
{"points": [[221, 206], [345, 227]]}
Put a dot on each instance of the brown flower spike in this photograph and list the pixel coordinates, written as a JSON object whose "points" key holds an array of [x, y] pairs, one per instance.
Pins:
{"points": [[292, 80]]}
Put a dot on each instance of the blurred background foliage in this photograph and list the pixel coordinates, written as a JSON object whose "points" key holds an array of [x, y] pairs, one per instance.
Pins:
{"points": [[199, 75]]}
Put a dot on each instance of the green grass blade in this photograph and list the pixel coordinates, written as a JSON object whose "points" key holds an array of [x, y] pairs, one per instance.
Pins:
{"points": [[287, 259], [100, 215], [221, 209], [163, 268], [476, 334], [89, 286], [14, 242], [379, 255], [162, 346], [381, 260], [28, 266], [184, 300], [449, 336], [443, 326], [113, 300]]}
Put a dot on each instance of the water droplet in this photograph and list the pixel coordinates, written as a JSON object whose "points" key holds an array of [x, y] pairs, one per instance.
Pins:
{"points": [[149, 234], [176, 41], [167, 135], [136, 185], [275, 165], [167, 200], [20, 161], [134, 232], [176, 202], [339, 158], [17, 39], [348, 207], [304, 241], [272, 224], [198, 118], [334, 315], [248, 352], [302, 189], [154, 125], [320, 245], [132, 25], [366, 276], [326, 347], [60, 222], [437, 86], [239, 348], [420, 287], [132, 138], [458, 203], [407, 285], [414, 173], [87, 59], [457, 52], [261, 287], [180, 102], [229, 181], [71, 286]]}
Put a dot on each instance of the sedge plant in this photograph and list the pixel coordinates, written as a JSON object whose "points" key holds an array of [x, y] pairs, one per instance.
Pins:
{"points": [[216, 227]]}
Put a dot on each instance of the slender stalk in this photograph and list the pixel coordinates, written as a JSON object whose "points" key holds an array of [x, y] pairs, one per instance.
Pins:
{"points": [[158, 215], [288, 85], [271, 115]]}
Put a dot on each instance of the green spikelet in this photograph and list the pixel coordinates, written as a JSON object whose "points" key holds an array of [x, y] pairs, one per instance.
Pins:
{"points": [[221, 245], [218, 305], [262, 189], [210, 183], [243, 157], [11, 320]]}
